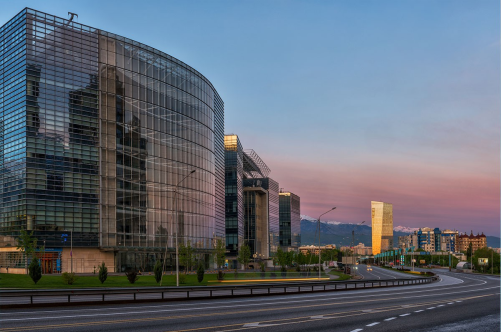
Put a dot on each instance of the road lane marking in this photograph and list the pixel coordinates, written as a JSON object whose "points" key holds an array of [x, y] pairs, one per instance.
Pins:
{"points": [[372, 324], [357, 330], [418, 310], [303, 296], [305, 319], [257, 325], [402, 315], [391, 318], [459, 301], [430, 308], [450, 303], [440, 305], [318, 317]]}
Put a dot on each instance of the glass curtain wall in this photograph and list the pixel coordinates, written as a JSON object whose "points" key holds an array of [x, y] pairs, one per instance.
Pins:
{"points": [[158, 124], [97, 131]]}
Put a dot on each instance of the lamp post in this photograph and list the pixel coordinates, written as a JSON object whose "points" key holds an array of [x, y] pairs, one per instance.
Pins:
{"points": [[319, 253], [353, 244], [174, 200]]}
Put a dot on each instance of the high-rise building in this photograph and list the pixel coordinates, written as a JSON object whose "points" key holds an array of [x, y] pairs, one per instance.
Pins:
{"points": [[382, 227], [290, 221], [98, 132], [251, 203], [234, 205]]}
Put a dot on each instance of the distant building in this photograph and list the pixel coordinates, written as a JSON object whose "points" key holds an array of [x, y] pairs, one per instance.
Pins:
{"points": [[429, 239], [408, 241], [382, 227], [478, 241], [290, 221], [314, 249]]}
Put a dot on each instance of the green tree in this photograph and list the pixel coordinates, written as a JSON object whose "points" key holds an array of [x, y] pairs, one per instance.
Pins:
{"points": [[103, 273], [469, 251], [27, 244], [186, 256], [244, 255], [282, 259], [200, 272], [35, 270], [490, 255], [157, 269], [220, 253]]}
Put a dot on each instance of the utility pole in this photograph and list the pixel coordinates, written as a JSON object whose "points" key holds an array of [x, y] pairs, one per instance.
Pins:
{"points": [[319, 255]]}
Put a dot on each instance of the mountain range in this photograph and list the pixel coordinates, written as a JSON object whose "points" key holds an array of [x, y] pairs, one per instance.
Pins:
{"points": [[333, 232]]}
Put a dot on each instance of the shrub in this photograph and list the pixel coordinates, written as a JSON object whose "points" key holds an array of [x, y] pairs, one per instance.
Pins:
{"points": [[103, 273], [182, 278], [262, 266], [132, 276], [298, 268], [35, 270], [158, 271], [220, 275], [200, 272], [69, 278]]}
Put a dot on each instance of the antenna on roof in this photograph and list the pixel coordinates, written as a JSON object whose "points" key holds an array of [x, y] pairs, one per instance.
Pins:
{"points": [[72, 15]]}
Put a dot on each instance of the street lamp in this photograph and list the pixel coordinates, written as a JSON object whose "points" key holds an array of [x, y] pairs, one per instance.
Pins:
{"points": [[174, 199], [319, 255], [353, 242]]}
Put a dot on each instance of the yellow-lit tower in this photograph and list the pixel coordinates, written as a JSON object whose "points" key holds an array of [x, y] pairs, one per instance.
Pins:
{"points": [[382, 227]]}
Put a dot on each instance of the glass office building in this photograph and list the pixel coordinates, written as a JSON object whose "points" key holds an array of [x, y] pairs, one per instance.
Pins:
{"points": [[382, 227], [290, 221], [97, 133], [234, 209]]}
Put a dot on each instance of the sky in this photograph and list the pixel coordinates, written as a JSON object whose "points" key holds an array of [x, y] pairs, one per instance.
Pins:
{"points": [[345, 101]]}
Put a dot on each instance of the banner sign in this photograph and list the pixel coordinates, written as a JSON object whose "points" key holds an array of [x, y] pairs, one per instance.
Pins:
{"points": [[483, 261]]}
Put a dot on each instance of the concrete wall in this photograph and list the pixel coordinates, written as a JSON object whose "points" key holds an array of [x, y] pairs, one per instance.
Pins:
{"points": [[85, 259]]}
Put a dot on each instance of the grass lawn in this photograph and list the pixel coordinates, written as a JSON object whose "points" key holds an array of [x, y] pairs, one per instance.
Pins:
{"points": [[56, 281], [341, 275]]}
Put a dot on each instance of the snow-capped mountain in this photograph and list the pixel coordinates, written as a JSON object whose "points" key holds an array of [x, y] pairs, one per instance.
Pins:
{"points": [[402, 229], [405, 229]]}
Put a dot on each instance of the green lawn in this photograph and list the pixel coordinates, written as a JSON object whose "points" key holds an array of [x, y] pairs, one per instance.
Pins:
{"points": [[341, 275], [56, 281]]}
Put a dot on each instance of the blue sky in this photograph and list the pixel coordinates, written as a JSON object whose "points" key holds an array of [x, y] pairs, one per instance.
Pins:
{"points": [[346, 101]]}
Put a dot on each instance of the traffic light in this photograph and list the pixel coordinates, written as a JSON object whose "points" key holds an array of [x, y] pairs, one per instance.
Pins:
{"points": [[402, 259]]}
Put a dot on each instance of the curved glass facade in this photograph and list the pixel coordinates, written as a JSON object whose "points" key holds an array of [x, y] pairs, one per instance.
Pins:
{"points": [[107, 128]]}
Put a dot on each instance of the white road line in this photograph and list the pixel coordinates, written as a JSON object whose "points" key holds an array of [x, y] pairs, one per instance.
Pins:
{"points": [[459, 301], [430, 308], [418, 310], [450, 303], [372, 324], [402, 315], [392, 318], [440, 305], [357, 330], [303, 297]]}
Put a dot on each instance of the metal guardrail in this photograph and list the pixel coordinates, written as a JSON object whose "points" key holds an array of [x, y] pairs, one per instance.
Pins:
{"points": [[216, 291]]}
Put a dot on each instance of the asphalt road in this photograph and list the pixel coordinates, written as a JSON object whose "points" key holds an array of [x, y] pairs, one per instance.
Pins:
{"points": [[458, 302]]}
